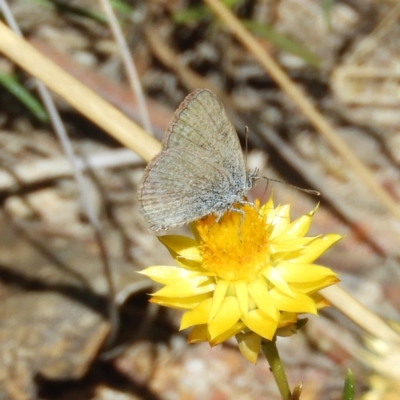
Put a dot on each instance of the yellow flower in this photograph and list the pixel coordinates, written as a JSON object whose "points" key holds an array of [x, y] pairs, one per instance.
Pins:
{"points": [[248, 275]]}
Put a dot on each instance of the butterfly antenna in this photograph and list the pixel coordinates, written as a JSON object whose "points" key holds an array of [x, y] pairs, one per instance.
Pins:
{"points": [[246, 139], [309, 191], [266, 188]]}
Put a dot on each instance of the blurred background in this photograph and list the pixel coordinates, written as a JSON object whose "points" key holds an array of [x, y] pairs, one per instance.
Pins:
{"points": [[54, 325]]}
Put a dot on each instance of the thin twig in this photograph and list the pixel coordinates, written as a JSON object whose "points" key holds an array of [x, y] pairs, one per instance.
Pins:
{"points": [[130, 68], [58, 167]]}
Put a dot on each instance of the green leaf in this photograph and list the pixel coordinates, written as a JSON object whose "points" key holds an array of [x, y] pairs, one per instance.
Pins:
{"points": [[9, 82], [296, 392], [348, 390], [79, 11], [282, 42], [196, 13], [121, 7], [327, 6], [118, 5], [62, 6], [191, 14]]}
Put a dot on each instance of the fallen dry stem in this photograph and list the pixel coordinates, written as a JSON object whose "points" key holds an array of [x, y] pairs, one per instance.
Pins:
{"points": [[84, 100], [360, 315]]}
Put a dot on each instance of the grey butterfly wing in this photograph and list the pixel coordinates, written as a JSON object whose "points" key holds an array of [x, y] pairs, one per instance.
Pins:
{"points": [[202, 122], [181, 185]]}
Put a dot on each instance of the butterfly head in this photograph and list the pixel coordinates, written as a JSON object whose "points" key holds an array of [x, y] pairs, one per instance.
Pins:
{"points": [[251, 179]]}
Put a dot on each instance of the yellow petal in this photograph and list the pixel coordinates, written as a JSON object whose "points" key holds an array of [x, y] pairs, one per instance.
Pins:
{"points": [[300, 303], [259, 292], [280, 220], [287, 318], [198, 334], [295, 272], [249, 345], [182, 246], [218, 297], [320, 301], [242, 296], [261, 323], [313, 286], [229, 314], [275, 277], [285, 244], [198, 316], [187, 288], [300, 226], [195, 232], [186, 303], [317, 247], [168, 274], [232, 331], [267, 208]]}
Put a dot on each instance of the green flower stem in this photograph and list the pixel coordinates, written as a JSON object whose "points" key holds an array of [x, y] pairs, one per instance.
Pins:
{"points": [[271, 352]]}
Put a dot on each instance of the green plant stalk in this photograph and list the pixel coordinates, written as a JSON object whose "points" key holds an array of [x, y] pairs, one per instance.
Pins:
{"points": [[348, 390], [9, 82], [282, 42], [121, 7], [271, 352]]}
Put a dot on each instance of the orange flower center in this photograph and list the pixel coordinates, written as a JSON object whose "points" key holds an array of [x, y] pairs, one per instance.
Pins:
{"points": [[237, 247]]}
